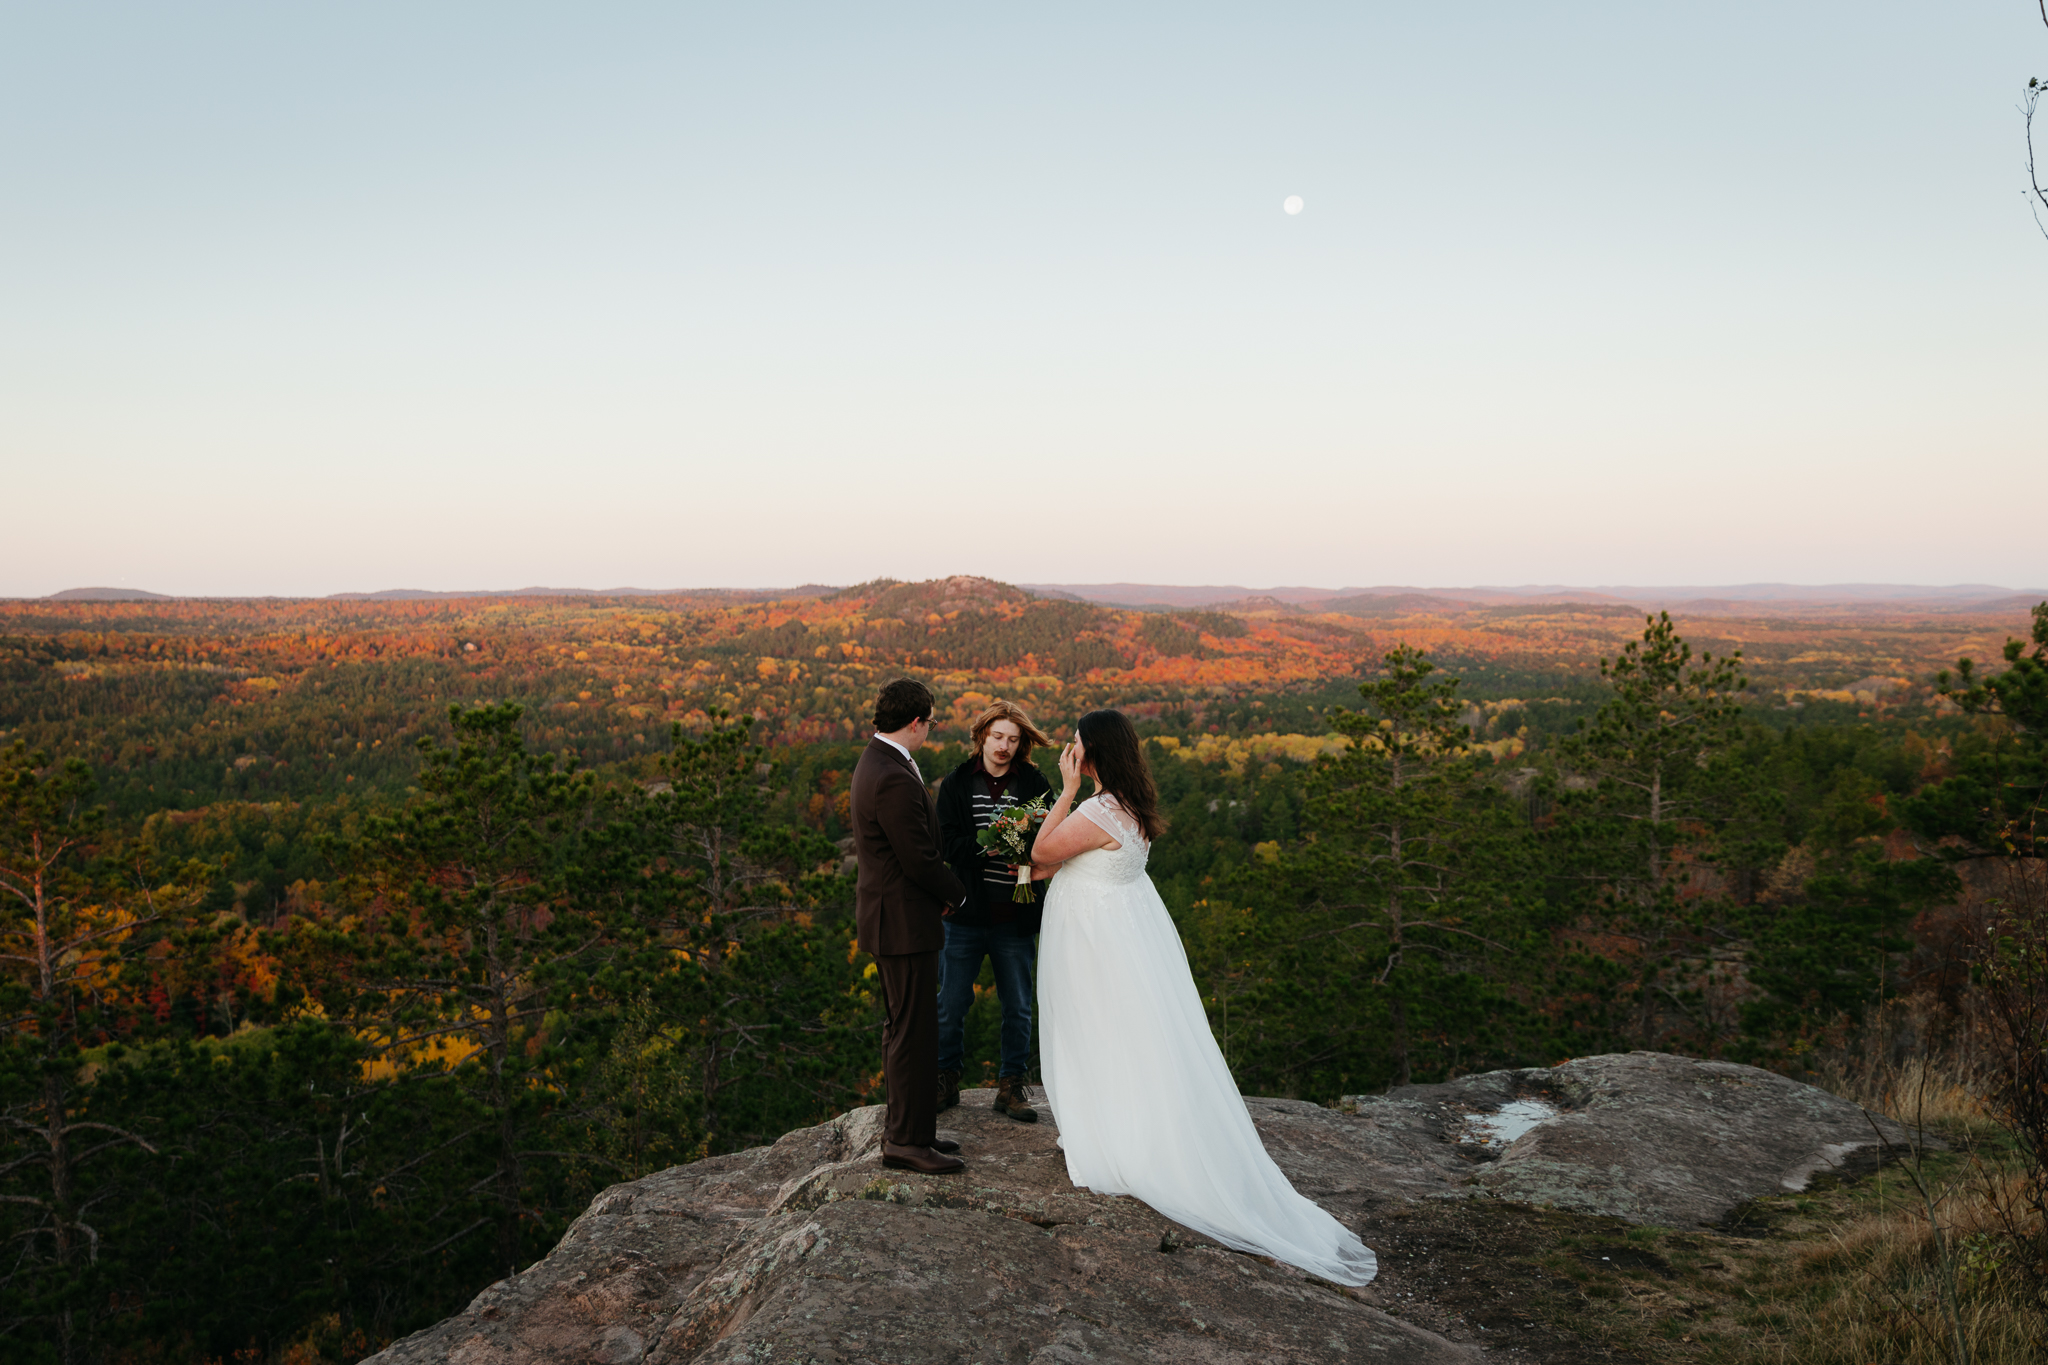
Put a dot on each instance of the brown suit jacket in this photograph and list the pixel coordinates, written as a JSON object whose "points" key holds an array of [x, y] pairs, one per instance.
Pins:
{"points": [[904, 885]]}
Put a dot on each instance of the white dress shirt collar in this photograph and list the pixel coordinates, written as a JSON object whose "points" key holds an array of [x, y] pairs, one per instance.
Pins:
{"points": [[906, 754]]}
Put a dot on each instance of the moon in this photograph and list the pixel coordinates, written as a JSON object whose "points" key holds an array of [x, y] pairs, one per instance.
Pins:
{"points": [[1293, 204]]}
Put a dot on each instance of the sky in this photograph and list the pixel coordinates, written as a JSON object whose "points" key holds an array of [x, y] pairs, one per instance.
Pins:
{"points": [[307, 299]]}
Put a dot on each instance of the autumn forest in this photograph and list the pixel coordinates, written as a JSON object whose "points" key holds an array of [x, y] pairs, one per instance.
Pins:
{"points": [[351, 946]]}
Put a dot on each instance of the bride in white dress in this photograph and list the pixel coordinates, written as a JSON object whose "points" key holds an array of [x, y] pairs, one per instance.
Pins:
{"points": [[1145, 1104]]}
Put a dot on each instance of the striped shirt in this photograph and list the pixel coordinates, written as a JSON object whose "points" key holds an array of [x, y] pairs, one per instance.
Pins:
{"points": [[987, 796]]}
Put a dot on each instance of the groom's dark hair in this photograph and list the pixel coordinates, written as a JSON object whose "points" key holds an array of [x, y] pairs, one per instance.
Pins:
{"points": [[901, 702]]}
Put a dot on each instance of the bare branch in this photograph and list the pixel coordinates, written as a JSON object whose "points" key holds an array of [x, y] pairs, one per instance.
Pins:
{"points": [[1454, 929], [455, 1238], [121, 1134], [2028, 109]]}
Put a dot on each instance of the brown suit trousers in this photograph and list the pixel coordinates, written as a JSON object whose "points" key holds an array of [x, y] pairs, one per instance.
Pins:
{"points": [[910, 1047], [904, 890]]}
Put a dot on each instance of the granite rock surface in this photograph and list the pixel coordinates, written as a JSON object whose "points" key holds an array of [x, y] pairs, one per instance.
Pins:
{"points": [[809, 1250], [1645, 1136]]}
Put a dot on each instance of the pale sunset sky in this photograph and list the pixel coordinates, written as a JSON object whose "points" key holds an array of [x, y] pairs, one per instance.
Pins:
{"points": [[305, 299]]}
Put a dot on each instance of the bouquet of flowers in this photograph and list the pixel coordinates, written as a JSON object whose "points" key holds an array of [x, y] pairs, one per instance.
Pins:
{"points": [[1009, 837]]}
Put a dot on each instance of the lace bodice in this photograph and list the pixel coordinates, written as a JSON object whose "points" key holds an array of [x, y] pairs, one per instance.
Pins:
{"points": [[1125, 864]]}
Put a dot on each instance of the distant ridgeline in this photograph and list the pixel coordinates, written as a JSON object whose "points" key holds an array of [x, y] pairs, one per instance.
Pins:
{"points": [[184, 700], [335, 971]]}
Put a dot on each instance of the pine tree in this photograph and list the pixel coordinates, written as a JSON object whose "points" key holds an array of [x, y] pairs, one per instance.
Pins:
{"points": [[747, 956], [1990, 807], [1992, 812], [1651, 794], [1403, 842], [484, 936], [63, 924]]}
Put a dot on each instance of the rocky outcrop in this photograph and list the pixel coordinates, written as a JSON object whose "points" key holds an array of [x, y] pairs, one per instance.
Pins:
{"points": [[809, 1250], [1644, 1136], [1654, 1138]]}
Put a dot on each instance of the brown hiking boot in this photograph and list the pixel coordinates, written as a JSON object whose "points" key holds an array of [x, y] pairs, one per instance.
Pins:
{"points": [[949, 1090], [1011, 1099]]}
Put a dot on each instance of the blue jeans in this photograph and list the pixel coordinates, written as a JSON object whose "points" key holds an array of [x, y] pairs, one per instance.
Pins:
{"points": [[1014, 954]]}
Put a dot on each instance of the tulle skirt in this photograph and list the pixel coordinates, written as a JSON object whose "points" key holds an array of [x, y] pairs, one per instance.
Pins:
{"points": [[1145, 1104]]}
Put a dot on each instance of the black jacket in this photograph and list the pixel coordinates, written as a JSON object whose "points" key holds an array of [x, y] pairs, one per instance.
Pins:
{"points": [[967, 859]]}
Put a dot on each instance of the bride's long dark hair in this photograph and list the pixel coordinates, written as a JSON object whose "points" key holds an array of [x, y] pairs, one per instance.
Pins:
{"points": [[1110, 744]]}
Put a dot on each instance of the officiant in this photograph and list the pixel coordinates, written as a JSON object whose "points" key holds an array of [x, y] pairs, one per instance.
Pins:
{"points": [[989, 925]]}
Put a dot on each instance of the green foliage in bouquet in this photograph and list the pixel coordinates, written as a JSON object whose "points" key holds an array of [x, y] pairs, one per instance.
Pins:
{"points": [[1010, 836]]}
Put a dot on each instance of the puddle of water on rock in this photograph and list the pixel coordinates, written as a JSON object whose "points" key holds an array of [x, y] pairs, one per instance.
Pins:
{"points": [[1511, 1120]]}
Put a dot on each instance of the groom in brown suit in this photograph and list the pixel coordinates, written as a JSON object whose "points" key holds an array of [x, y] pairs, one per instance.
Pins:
{"points": [[904, 889]]}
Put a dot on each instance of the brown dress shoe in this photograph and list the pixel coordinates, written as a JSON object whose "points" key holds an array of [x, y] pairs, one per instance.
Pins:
{"points": [[946, 1145], [922, 1159], [1010, 1093], [949, 1090]]}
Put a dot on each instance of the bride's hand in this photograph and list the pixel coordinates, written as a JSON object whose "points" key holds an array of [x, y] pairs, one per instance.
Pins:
{"points": [[1070, 767]]}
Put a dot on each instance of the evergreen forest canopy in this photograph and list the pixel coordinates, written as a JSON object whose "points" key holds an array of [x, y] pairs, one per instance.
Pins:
{"points": [[351, 947]]}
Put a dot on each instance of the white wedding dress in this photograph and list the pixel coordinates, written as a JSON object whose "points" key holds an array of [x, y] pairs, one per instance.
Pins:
{"points": [[1145, 1104]]}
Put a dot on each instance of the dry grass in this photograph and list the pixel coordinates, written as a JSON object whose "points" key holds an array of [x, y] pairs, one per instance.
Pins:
{"points": [[1919, 1267], [1942, 1092], [1881, 1286], [1847, 1272]]}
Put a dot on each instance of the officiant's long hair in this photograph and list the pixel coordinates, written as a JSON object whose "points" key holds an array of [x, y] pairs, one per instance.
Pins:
{"points": [[1111, 747], [1028, 734]]}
